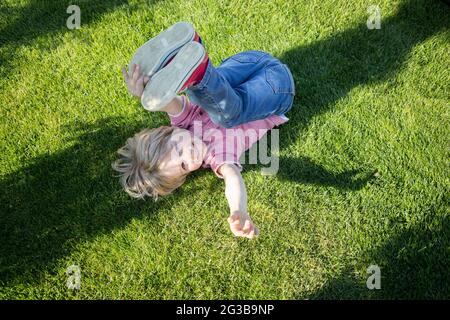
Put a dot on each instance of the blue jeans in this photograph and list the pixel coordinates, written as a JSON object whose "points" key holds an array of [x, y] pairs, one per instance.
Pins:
{"points": [[248, 86]]}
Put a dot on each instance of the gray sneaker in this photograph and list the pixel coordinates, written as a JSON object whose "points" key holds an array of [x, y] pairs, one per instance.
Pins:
{"points": [[185, 70], [158, 51]]}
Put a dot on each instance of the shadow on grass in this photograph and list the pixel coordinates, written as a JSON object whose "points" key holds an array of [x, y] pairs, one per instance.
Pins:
{"points": [[63, 199], [38, 18], [303, 170], [414, 264], [327, 70], [66, 198]]}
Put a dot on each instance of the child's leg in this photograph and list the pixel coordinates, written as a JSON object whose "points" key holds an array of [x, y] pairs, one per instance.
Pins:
{"points": [[248, 86]]}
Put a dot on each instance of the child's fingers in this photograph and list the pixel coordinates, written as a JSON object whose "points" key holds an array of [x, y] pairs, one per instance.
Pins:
{"points": [[140, 82], [125, 74], [233, 218], [251, 234], [146, 80], [136, 73], [239, 233], [247, 226], [237, 224]]}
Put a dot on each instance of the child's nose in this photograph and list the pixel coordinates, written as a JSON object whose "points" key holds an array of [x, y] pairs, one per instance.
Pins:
{"points": [[191, 166]]}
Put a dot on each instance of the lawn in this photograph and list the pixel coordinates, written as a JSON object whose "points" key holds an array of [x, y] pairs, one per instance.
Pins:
{"points": [[364, 159]]}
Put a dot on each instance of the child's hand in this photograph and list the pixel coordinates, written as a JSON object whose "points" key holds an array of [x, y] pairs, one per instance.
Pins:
{"points": [[242, 225], [136, 82]]}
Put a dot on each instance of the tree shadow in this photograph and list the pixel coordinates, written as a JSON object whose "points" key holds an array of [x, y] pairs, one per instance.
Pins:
{"points": [[304, 170], [39, 18], [414, 264], [327, 70], [62, 199], [65, 198]]}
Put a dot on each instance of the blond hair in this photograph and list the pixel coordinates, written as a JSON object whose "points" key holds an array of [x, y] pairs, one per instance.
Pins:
{"points": [[139, 161]]}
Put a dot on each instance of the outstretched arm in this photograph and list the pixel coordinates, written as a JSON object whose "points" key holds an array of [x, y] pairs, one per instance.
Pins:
{"points": [[136, 84], [240, 222]]}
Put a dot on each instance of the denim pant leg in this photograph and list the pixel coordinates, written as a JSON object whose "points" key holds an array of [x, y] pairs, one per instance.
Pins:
{"points": [[248, 86]]}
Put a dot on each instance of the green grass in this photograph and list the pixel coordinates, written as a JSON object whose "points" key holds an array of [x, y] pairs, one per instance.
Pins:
{"points": [[363, 179]]}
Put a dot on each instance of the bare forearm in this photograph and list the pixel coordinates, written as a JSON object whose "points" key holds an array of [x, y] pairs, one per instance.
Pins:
{"points": [[240, 222], [236, 193]]}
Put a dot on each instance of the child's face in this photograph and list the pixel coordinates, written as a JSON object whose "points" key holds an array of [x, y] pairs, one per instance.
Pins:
{"points": [[185, 154]]}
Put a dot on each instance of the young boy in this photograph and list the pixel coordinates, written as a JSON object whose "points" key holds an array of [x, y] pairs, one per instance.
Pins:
{"points": [[249, 92]]}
